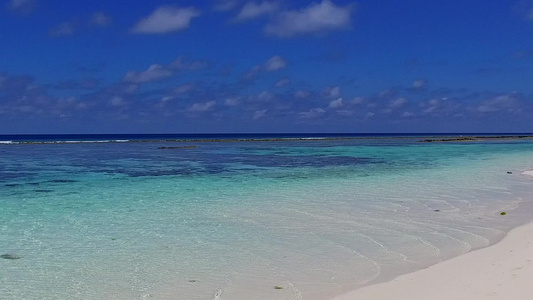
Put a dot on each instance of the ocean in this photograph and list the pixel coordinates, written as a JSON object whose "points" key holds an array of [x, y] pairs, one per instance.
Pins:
{"points": [[256, 216]]}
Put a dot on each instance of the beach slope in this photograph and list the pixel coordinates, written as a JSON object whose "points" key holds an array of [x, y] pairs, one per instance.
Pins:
{"points": [[501, 271]]}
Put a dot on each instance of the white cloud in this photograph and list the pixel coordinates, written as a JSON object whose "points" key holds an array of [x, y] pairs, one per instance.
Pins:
{"points": [[336, 103], [232, 101], [524, 8], [181, 63], [434, 102], [369, 115], [333, 92], [3, 79], [252, 10], [154, 73], [312, 113], [265, 96], [282, 82], [508, 103], [183, 89], [429, 110], [117, 101], [202, 107], [386, 93], [407, 114], [417, 84], [81, 106], [224, 5], [302, 94], [275, 63], [316, 18], [18, 3], [166, 19], [430, 106], [345, 112], [131, 88], [66, 102], [63, 29], [397, 103], [259, 114], [164, 101], [357, 101], [252, 73], [22, 6], [100, 19], [29, 109], [486, 108]]}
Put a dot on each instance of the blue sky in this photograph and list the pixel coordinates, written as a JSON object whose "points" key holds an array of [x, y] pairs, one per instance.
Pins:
{"points": [[266, 66]]}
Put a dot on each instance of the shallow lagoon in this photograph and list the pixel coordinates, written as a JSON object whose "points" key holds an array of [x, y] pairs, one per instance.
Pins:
{"points": [[234, 220]]}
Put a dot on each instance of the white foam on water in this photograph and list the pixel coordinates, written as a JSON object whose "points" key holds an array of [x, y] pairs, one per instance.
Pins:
{"points": [[529, 173]]}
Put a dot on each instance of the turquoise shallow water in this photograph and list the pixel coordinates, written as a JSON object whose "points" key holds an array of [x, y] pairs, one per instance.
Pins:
{"points": [[234, 220]]}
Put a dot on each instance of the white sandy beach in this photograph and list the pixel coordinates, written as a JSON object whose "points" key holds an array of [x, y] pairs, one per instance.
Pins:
{"points": [[501, 271]]}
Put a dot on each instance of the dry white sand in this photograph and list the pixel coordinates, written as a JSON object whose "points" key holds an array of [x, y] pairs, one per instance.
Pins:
{"points": [[501, 271]]}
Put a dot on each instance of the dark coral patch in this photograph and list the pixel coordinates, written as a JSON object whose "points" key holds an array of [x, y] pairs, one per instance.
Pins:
{"points": [[62, 181], [10, 256]]}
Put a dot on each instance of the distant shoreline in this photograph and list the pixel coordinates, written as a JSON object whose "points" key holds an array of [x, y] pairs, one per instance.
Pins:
{"points": [[229, 139], [479, 138]]}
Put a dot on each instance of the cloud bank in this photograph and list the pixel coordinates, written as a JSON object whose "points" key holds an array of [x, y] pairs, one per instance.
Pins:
{"points": [[166, 19], [315, 18]]}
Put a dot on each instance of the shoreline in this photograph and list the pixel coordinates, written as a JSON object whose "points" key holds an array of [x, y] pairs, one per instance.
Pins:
{"points": [[501, 271]]}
